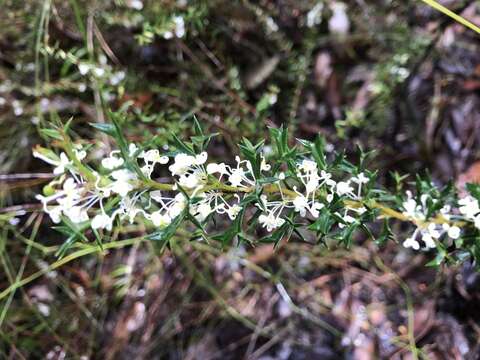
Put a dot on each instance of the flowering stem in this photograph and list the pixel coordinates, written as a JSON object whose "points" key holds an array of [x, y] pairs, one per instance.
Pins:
{"points": [[272, 189]]}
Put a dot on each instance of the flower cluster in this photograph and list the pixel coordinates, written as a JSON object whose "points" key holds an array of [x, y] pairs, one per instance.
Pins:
{"points": [[470, 209], [74, 197], [334, 199], [427, 230], [306, 202]]}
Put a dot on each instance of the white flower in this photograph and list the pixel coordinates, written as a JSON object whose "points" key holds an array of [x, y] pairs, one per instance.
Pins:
{"points": [[98, 71], [270, 221], [132, 149], [432, 230], [348, 219], [314, 16], [233, 211], [182, 162], [55, 214], [410, 207], [454, 232], [64, 162], [129, 209], [79, 152], [360, 210], [315, 208], [301, 204], [445, 212], [192, 180], [112, 161], [201, 158], [122, 185], [179, 26], [428, 240], [83, 68], [339, 23], [157, 196], [102, 221], [70, 194], [160, 220], [76, 214], [469, 207], [117, 77], [360, 179], [203, 211], [178, 206], [411, 243], [214, 168], [343, 188], [312, 183], [308, 166], [236, 177], [153, 156], [414, 210], [327, 178]]}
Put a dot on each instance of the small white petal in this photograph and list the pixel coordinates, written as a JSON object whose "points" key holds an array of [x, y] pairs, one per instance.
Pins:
{"points": [[454, 232], [83, 68], [102, 221]]}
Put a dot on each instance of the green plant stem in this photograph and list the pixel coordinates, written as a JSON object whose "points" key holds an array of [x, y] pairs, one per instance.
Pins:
{"points": [[385, 211]]}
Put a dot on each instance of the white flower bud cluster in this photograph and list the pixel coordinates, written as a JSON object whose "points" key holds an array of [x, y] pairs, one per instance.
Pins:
{"points": [[217, 188], [470, 209], [306, 203], [76, 197], [428, 231]]}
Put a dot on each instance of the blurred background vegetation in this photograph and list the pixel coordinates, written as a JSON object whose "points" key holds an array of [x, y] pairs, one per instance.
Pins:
{"points": [[392, 76]]}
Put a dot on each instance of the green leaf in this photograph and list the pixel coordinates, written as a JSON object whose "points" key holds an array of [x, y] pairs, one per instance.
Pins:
{"points": [[474, 190], [108, 129], [51, 133], [385, 235], [318, 152], [197, 126], [71, 240], [182, 146], [202, 141], [282, 232], [252, 153], [122, 143], [317, 149], [74, 233], [439, 258], [347, 234], [234, 230], [324, 222]]}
